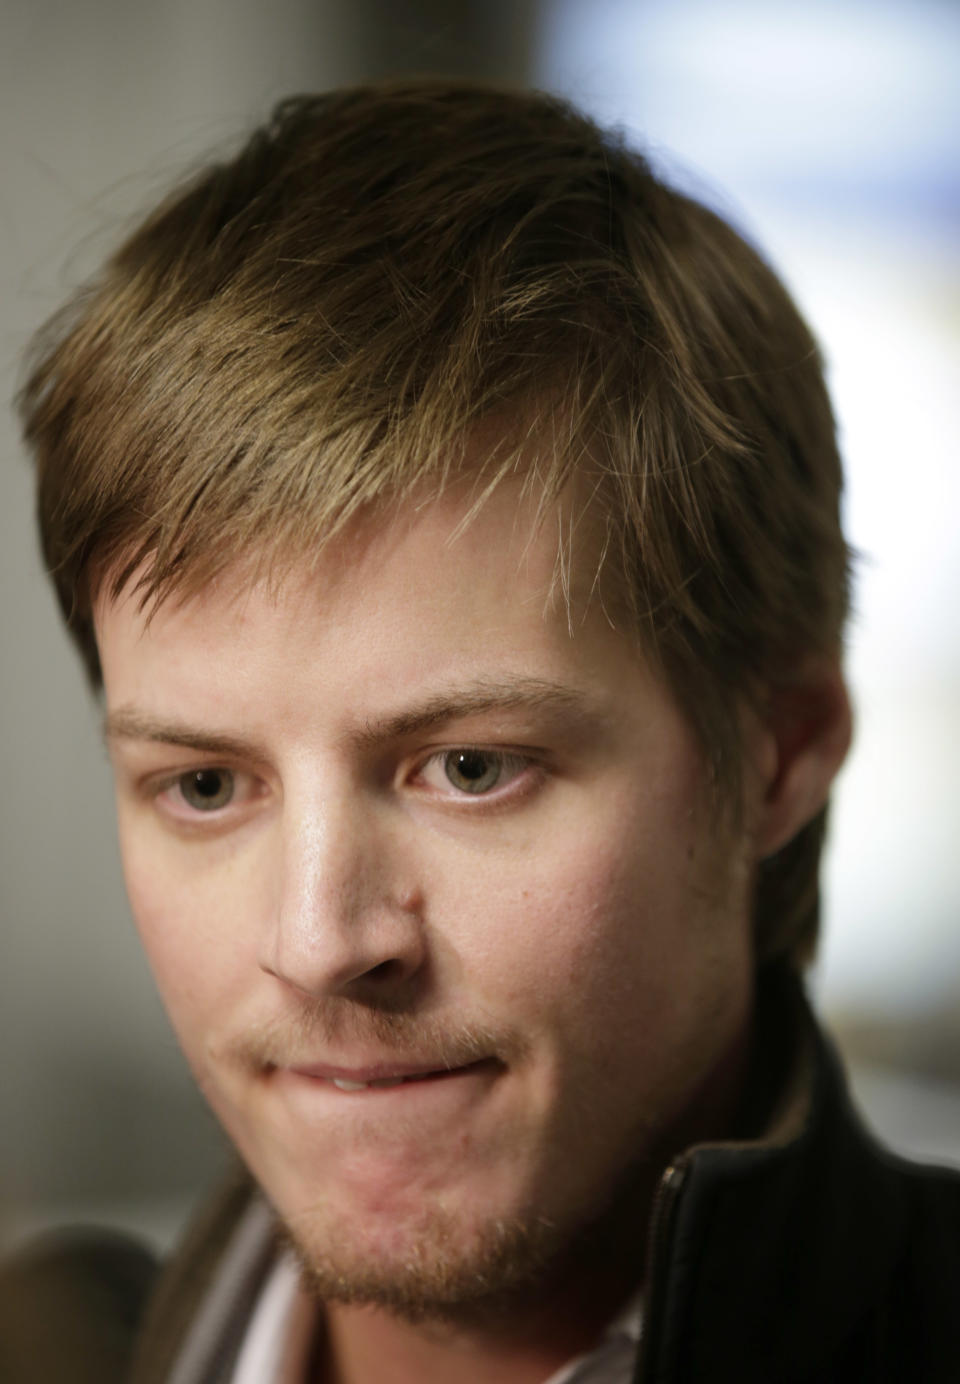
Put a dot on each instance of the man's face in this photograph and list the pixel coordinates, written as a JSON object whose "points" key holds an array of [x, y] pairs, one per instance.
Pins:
{"points": [[427, 871]]}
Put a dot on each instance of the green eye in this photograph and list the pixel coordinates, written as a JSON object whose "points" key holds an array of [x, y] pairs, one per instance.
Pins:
{"points": [[473, 771], [206, 790]]}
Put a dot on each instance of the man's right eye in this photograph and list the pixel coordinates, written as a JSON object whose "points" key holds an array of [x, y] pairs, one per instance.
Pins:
{"points": [[207, 790]]}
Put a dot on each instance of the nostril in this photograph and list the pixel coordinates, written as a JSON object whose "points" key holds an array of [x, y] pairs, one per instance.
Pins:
{"points": [[386, 970]]}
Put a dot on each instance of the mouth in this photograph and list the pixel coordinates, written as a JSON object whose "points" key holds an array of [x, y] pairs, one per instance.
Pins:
{"points": [[383, 1078]]}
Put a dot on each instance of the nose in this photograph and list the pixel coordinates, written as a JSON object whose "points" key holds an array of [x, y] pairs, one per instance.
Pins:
{"points": [[347, 912]]}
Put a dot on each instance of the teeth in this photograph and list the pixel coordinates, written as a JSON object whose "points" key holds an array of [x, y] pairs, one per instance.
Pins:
{"points": [[342, 1085]]}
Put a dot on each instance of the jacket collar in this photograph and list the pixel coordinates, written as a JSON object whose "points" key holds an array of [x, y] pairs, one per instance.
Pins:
{"points": [[763, 1254]]}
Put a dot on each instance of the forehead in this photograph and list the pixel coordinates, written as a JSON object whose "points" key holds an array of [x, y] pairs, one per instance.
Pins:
{"points": [[436, 599], [504, 557]]}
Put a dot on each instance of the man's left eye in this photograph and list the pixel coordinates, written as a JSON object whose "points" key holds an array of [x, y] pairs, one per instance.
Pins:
{"points": [[207, 790], [472, 771]]}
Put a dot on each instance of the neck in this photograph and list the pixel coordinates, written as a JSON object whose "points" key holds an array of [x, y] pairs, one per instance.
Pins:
{"points": [[368, 1345]]}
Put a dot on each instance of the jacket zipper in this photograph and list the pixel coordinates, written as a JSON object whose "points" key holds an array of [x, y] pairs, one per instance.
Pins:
{"points": [[662, 1216]]}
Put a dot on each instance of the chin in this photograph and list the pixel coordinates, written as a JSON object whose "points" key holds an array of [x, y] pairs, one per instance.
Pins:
{"points": [[446, 1264], [435, 1269]]}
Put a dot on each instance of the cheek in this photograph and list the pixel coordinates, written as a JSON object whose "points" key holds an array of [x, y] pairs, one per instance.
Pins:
{"points": [[644, 929], [195, 919]]}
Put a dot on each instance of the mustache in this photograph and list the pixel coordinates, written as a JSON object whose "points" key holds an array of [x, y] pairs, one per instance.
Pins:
{"points": [[315, 1031]]}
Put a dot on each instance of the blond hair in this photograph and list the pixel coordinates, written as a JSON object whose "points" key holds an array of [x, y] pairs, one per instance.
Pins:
{"points": [[323, 322]]}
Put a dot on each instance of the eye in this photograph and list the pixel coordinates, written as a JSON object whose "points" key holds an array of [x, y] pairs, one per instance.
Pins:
{"points": [[208, 796], [473, 771], [206, 790]]}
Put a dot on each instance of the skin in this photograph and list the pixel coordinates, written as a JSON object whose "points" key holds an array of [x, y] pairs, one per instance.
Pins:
{"points": [[565, 953]]}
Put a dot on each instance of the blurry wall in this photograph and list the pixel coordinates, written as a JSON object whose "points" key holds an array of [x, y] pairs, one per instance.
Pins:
{"points": [[832, 131]]}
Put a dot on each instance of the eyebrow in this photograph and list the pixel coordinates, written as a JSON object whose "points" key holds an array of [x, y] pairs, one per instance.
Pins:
{"points": [[516, 694], [129, 724], [521, 693]]}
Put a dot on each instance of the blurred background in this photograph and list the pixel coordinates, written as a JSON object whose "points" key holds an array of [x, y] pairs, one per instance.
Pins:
{"points": [[829, 131]]}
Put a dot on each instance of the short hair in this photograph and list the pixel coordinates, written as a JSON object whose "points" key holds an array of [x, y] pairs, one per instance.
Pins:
{"points": [[319, 325]]}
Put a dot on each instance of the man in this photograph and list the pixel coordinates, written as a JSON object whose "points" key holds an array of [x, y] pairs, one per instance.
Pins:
{"points": [[449, 512]]}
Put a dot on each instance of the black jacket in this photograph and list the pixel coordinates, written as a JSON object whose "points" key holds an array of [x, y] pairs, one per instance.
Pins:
{"points": [[816, 1258]]}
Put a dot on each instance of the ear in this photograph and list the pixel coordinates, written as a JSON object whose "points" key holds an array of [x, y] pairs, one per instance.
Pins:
{"points": [[807, 730]]}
